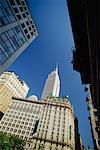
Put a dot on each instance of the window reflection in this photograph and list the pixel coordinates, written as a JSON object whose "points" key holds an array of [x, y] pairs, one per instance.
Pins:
{"points": [[10, 42], [6, 14]]}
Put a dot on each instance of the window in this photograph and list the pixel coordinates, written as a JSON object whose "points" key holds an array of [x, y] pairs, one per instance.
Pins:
{"points": [[27, 23], [23, 25], [23, 3], [30, 124], [19, 131], [21, 127], [20, 34], [6, 14], [15, 130], [25, 8], [23, 15], [19, 17], [12, 2], [6, 44], [15, 10], [28, 128], [13, 125], [22, 122], [21, 137], [5, 123], [15, 41], [70, 132], [27, 133], [25, 31], [23, 132], [21, 9], [26, 123], [29, 28], [26, 138], [3, 128], [34, 30], [28, 36], [31, 21], [18, 2], [27, 13], [11, 129], [9, 124], [25, 127]]}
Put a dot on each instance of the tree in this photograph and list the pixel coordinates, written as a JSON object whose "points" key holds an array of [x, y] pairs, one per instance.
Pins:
{"points": [[11, 142]]}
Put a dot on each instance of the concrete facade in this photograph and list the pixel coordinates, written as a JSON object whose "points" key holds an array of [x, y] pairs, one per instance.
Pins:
{"points": [[11, 85], [56, 126], [20, 118]]}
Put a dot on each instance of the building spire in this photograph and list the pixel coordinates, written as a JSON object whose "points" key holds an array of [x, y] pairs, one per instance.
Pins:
{"points": [[56, 67]]}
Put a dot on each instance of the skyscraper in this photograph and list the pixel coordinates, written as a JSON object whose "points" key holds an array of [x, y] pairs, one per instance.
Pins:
{"points": [[52, 85], [17, 30], [11, 85]]}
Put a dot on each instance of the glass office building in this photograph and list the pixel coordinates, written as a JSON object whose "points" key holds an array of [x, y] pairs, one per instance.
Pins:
{"points": [[17, 30]]}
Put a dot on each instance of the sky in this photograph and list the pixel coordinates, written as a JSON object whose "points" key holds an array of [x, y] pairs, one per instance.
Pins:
{"points": [[54, 44]]}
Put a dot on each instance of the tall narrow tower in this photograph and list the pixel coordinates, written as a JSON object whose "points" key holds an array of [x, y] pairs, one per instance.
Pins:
{"points": [[52, 85]]}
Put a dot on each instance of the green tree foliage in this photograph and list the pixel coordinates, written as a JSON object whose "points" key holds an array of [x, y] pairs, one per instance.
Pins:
{"points": [[11, 142]]}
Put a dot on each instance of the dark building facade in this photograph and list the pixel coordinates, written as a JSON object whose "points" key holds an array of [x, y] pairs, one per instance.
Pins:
{"points": [[85, 22], [93, 118], [78, 140]]}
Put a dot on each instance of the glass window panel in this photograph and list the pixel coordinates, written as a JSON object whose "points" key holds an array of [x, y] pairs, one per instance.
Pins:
{"points": [[27, 23], [3, 57], [4, 3], [23, 3], [23, 25], [17, 29], [1, 22], [11, 50], [15, 42], [5, 20], [5, 12], [8, 43], [12, 19], [26, 31], [16, 10], [1, 12], [23, 15], [21, 9], [27, 13], [18, 2], [3, 44], [19, 17], [20, 35], [9, 11], [3, 36], [11, 33], [12, 2]]}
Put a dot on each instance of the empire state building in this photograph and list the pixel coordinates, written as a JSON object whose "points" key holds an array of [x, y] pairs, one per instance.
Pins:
{"points": [[52, 84]]}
